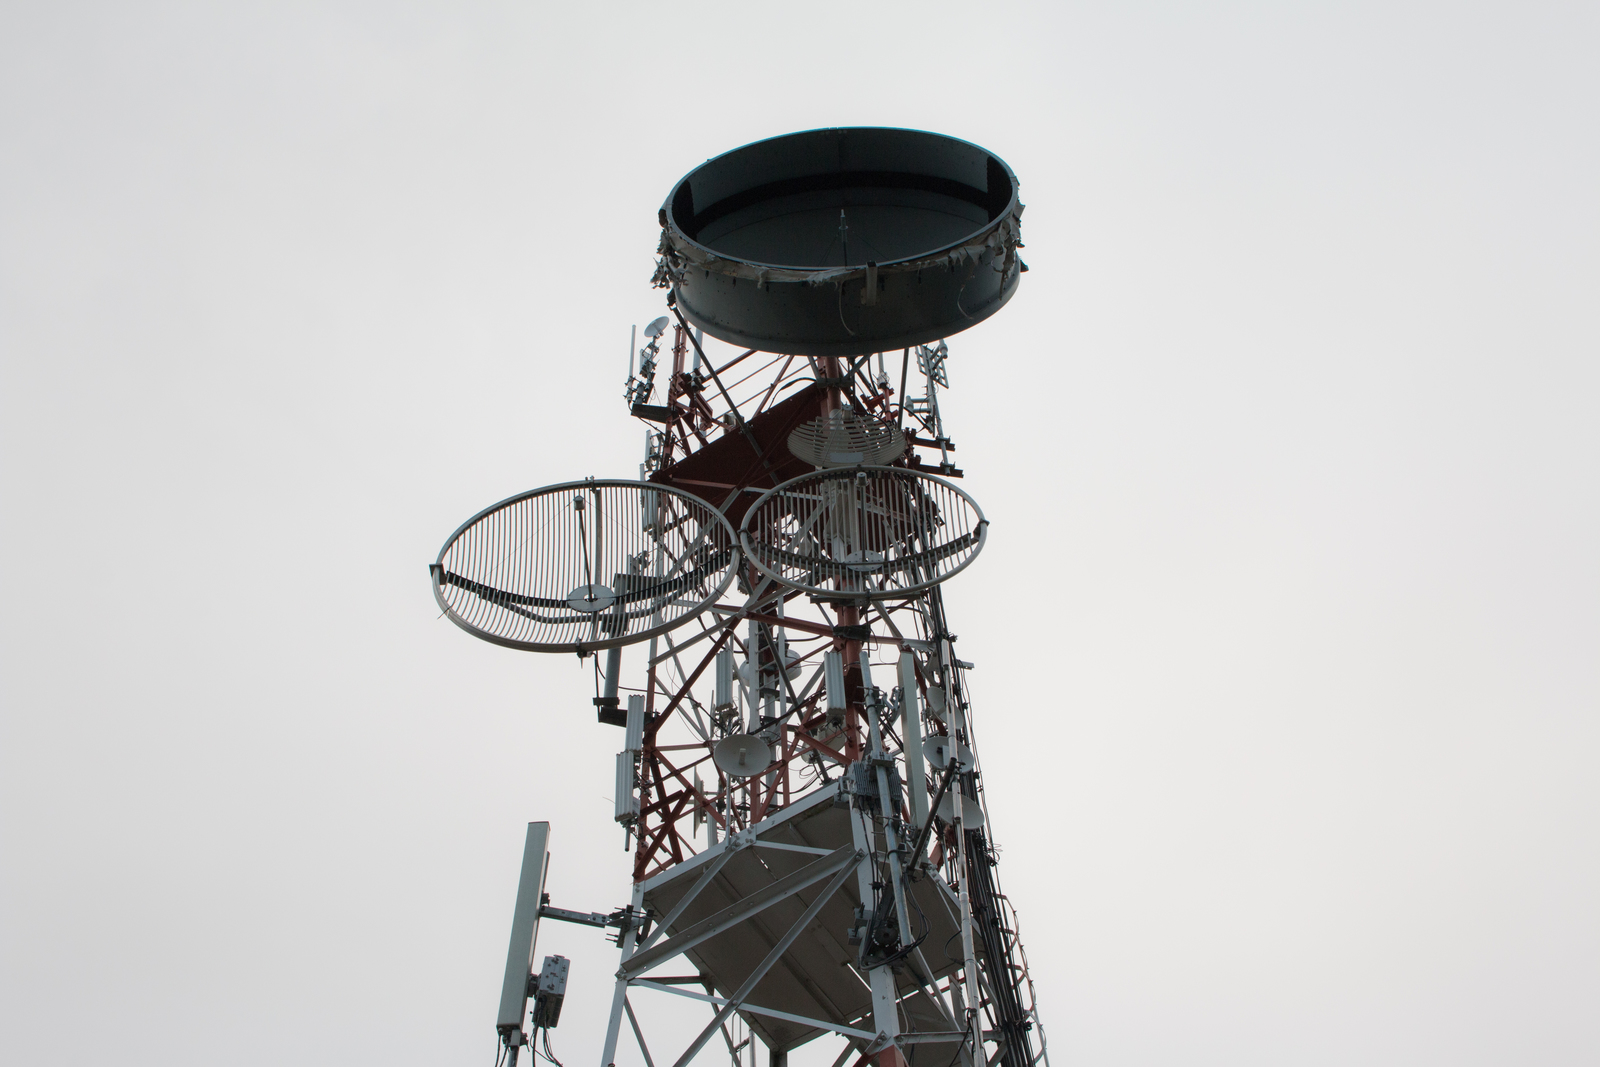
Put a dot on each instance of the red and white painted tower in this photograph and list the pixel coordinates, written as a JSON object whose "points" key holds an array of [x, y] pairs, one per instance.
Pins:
{"points": [[798, 775]]}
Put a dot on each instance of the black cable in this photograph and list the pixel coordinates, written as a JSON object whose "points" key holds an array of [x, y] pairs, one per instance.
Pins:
{"points": [[947, 955], [926, 930], [933, 809], [964, 1039], [927, 927], [551, 1056]]}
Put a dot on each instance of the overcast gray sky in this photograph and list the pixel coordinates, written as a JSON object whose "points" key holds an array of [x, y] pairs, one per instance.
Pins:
{"points": [[1285, 638]]}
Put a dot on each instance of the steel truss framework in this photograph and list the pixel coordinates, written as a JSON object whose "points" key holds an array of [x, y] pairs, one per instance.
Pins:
{"points": [[868, 823]]}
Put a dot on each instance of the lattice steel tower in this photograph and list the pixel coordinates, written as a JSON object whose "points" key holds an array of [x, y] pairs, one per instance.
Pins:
{"points": [[798, 779]]}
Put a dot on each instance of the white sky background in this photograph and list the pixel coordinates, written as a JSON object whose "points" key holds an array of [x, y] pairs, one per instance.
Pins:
{"points": [[1286, 635]]}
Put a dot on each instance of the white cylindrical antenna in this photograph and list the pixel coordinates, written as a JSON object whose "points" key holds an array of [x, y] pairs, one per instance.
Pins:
{"points": [[833, 677], [699, 339], [911, 732], [633, 339]]}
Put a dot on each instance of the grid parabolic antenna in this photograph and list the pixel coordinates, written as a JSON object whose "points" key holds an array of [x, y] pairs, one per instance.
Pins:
{"points": [[584, 565], [864, 533]]}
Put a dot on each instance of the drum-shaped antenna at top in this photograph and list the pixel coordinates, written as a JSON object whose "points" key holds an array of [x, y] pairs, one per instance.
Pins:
{"points": [[842, 242], [863, 533], [584, 566]]}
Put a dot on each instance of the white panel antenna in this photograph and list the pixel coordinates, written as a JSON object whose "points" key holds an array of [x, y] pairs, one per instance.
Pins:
{"points": [[627, 803], [911, 731], [723, 697], [525, 927], [833, 678], [635, 735]]}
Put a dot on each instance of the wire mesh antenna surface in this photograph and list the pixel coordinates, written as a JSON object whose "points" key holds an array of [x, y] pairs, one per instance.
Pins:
{"points": [[867, 533], [846, 438], [584, 565]]}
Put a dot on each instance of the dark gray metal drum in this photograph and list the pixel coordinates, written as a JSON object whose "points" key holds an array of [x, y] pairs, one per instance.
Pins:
{"points": [[842, 242]]}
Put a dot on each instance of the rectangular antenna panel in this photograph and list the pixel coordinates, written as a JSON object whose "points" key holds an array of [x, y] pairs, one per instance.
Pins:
{"points": [[724, 692], [650, 509], [627, 803], [833, 675], [635, 736], [911, 730], [524, 927]]}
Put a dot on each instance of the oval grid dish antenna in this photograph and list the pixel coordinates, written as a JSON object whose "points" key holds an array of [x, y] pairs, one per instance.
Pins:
{"points": [[863, 533], [585, 565]]}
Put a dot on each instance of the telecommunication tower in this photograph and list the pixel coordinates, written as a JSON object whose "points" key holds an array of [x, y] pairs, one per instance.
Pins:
{"points": [[798, 780]]}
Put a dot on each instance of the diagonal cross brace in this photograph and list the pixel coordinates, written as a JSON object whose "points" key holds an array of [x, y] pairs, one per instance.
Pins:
{"points": [[751, 1009], [633, 1020], [765, 965], [688, 898], [844, 857]]}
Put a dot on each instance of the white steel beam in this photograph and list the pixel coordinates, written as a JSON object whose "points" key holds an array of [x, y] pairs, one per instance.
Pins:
{"points": [[911, 732], [849, 1048], [885, 1010], [800, 926], [619, 995], [688, 898], [633, 1021], [845, 856], [786, 847], [805, 1020]]}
